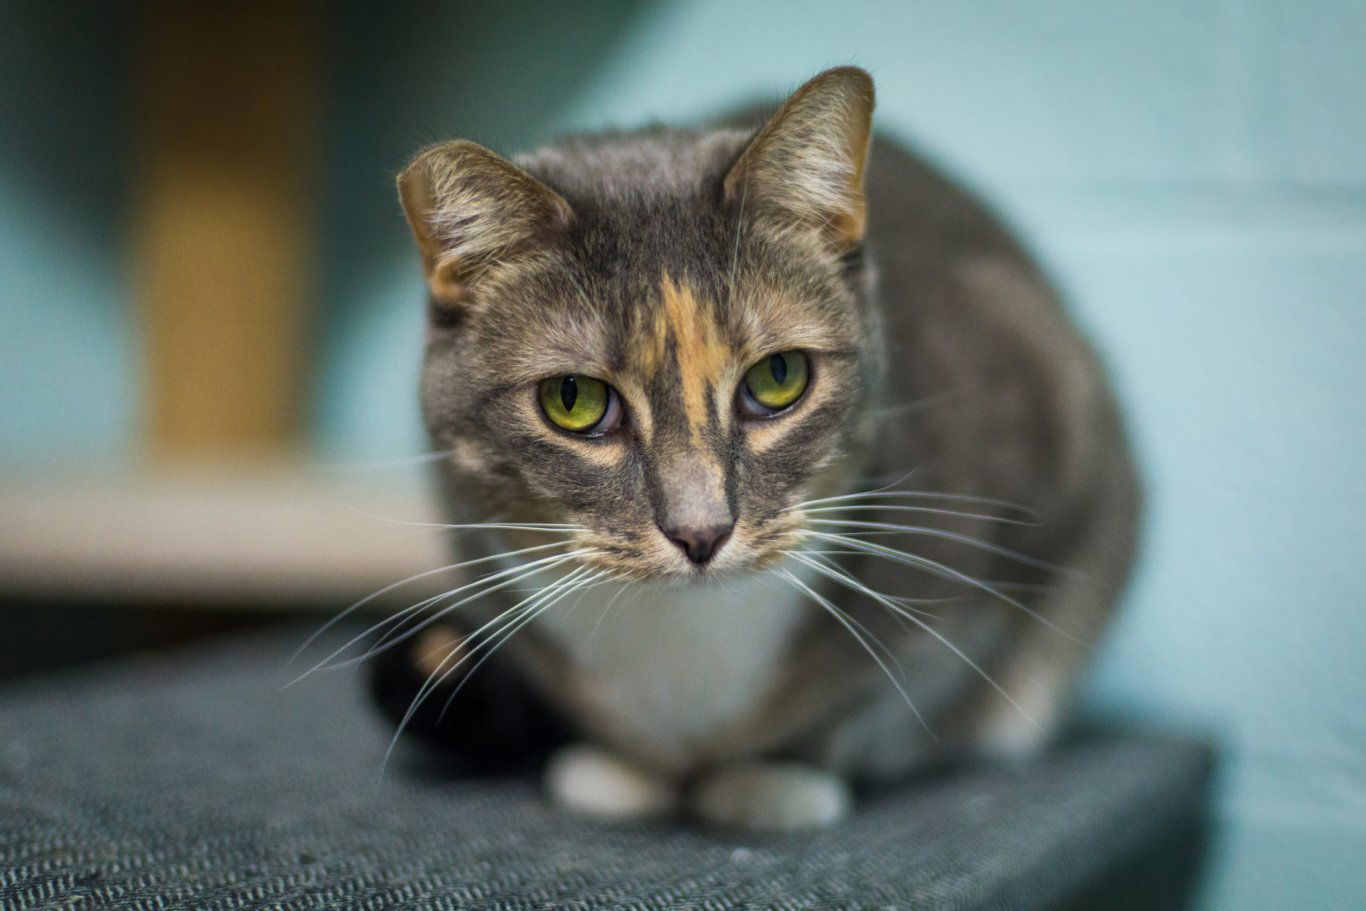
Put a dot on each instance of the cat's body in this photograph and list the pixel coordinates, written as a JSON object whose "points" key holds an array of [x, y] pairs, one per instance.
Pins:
{"points": [[750, 676]]}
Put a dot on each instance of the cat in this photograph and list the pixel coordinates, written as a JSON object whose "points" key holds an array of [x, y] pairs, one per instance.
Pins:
{"points": [[785, 470]]}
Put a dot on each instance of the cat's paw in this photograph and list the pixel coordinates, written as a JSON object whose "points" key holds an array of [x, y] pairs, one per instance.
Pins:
{"points": [[592, 781], [770, 797]]}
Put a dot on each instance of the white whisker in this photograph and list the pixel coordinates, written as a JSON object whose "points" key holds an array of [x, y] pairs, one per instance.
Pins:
{"points": [[413, 578], [821, 556], [470, 645], [942, 571], [887, 494], [933, 510], [516, 572], [844, 621], [921, 404], [503, 620], [524, 572], [477, 526], [610, 604], [581, 585], [943, 534], [854, 585]]}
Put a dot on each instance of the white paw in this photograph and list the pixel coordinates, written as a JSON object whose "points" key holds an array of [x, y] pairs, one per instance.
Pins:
{"points": [[591, 781], [773, 797]]}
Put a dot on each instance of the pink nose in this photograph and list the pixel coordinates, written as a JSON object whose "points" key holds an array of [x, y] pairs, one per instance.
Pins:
{"points": [[700, 544]]}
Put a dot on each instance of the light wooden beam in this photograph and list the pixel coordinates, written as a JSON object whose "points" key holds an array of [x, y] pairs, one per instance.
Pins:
{"points": [[224, 222]]}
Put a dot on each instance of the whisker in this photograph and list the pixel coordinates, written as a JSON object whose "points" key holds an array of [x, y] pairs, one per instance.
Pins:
{"points": [[526, 571], [844, 621], [871, 635], [440, 674], [885, 488], [887, 494], [895, 507], [437, 676], [944, 572], [946, 535], [820, 555], [901, 621], [481, 526], [470, 643], [739, 233], [854, 585], [610, 604], [917, 405], [581, 586], [413, 578], [517, 573]]}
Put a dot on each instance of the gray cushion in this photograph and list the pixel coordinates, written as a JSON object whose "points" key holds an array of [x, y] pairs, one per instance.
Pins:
{"points": [[196, 781]]}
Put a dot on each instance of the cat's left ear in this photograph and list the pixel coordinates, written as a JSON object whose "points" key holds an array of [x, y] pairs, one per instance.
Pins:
{"points": [[469, 209], [805, 167]]}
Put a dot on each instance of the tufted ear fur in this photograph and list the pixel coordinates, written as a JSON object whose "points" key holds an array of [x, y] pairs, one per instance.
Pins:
{"points": [[468, 209], [805, 167]]}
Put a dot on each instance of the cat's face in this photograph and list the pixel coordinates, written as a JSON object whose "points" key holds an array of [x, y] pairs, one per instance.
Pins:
{"points": [[664, 346]]}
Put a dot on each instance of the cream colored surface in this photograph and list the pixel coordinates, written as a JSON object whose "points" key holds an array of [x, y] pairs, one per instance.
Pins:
{"points": [[249, 536]]}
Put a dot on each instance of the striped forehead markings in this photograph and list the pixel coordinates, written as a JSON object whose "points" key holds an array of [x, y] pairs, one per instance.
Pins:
{"points": [[703, 357]]}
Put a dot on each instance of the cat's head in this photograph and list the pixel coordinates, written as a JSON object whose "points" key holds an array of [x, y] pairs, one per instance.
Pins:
{"points": [[660, 338]]}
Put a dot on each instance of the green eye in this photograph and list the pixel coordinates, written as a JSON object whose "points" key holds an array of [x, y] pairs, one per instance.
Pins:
{"points": [[575, 403], [774, 383]]}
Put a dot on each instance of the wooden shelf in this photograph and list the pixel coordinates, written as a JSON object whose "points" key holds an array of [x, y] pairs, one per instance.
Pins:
{"points": [[240, 536]]}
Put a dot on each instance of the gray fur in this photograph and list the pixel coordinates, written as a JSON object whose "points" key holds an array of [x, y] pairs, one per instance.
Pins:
{"points": [[949, 359]]}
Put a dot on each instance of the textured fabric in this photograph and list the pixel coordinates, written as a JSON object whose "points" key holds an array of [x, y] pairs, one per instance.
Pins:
{"points": [[199, 782]]}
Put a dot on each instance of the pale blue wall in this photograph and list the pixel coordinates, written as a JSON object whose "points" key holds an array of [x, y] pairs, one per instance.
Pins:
{"points": [[1194, 173], [67, 355]]}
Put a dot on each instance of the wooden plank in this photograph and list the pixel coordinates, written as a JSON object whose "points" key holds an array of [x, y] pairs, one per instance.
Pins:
{"points": [[224, 233], [294, 535]]}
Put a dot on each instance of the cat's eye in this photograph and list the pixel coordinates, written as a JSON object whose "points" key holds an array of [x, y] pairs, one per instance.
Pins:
{"points": [[774, 384], [580, 404]]}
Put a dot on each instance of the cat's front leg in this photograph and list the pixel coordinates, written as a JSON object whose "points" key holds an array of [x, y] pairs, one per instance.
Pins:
{"points": [[770, 796], [590, 780]]}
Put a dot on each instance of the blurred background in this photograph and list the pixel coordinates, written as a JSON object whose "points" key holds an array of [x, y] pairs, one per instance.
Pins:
{"points": [[210, 316]]}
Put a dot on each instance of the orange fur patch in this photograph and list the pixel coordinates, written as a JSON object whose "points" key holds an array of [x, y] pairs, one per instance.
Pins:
{"points": [[703, 358]]}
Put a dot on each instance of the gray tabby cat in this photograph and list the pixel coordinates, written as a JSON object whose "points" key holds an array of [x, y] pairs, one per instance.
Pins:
{"points": [[799, 473]]}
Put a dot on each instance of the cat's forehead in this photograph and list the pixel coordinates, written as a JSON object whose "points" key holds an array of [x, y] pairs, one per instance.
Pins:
{"points": [[654, 323], [623, 167], [656, 270]]}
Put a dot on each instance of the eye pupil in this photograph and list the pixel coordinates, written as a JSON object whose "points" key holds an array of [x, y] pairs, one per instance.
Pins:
{"points": [[772, 384], [777, 365], [569, 392]]}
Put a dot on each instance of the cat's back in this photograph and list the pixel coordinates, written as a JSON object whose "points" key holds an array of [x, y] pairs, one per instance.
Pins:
{"points": [[1015, 400]]}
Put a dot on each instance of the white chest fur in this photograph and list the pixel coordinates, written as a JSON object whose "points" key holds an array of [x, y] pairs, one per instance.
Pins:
{"points": [[675, 663]]}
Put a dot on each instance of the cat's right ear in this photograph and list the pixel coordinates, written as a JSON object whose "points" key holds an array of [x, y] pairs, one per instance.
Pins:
{"points": [[468, 209], [805, 167]]}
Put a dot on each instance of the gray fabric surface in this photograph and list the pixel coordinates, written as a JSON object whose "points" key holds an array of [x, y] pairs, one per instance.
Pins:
{"points": [[197, 782]]}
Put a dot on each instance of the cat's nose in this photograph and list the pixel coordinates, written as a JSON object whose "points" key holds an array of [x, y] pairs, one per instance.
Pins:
{"points": [[700, 544]]}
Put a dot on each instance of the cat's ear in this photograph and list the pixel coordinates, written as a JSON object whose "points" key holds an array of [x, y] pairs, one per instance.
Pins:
{"points": [[806, 165], [469, 208]]}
